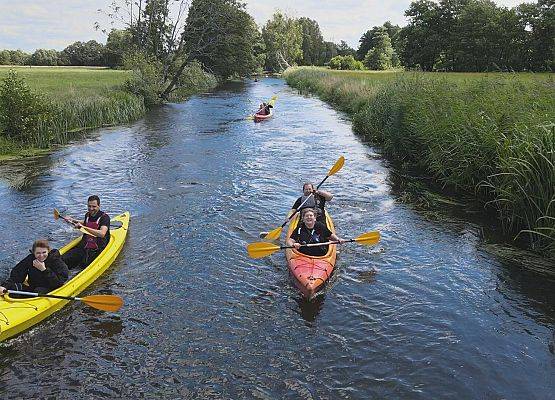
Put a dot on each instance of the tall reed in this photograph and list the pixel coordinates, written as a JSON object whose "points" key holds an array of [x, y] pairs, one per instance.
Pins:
{"points": [[490, 135]]}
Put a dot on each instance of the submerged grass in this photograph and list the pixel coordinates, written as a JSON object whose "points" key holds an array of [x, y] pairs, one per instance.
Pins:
{"points": [[489, 134]]}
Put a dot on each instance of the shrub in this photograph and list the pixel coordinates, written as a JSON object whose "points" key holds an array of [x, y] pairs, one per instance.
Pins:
{"points": [[23, 113]]}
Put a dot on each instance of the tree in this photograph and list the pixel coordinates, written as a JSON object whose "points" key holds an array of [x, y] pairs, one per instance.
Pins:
{"points": [[343, 49], [44, 57], [312, 42], [89, 53], [283, 38], [422, 38], [118, 43], [229, 36], [330, 51], [379, 57]]}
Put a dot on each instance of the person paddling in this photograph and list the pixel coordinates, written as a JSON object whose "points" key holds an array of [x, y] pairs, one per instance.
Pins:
{"points": [[264, 109], [314, 199], [97, 223], [310, 231], [44, 270]]}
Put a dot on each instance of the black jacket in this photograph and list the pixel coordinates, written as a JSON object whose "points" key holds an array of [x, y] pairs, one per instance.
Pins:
{"points": [[54, 276]]}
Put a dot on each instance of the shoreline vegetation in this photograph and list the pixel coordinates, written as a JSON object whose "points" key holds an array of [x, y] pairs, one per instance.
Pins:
{"points": [[488, 135], [69, 100]]}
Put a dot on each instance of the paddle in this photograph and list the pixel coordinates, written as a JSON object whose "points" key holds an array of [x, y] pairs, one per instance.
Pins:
{"points": [[263, 249], [105, 302], [271, 102], [57, 216], [275, 234]]}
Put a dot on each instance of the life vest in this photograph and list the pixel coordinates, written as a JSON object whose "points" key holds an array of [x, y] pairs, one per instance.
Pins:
{"points": [[93, 242], [314, 238]]}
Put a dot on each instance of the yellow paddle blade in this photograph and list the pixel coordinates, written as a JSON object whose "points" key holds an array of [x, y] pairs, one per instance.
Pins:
{"points": [[337, 166], [250, 117], [368, 238], [56, 214], [273, 100], [106, 302], [274, 235], [261, 249]]}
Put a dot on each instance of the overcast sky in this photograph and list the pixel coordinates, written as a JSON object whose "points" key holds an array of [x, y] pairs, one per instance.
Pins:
{"points": [[54, 24]]}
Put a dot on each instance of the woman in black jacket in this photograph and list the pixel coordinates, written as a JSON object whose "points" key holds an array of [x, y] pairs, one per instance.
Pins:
{"points": [[44, 269]]}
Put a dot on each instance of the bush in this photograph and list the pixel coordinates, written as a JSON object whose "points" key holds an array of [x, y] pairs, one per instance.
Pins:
{"points": [[345, 62], [146, 79], [23, 113]]}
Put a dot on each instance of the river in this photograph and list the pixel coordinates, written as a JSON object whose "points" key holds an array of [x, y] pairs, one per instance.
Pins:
{"points": [[428, 313]]}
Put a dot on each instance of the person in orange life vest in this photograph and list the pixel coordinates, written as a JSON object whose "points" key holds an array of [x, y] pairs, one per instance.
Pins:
{"points": [[97, 223], [310, 231], [44, 270], [317, 201]]}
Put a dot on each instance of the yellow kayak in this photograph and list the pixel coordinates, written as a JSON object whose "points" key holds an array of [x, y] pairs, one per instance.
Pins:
{"points": [[17, 315]]}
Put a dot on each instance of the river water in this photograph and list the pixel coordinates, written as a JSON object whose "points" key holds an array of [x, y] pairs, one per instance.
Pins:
{"points": [[427, 313]]}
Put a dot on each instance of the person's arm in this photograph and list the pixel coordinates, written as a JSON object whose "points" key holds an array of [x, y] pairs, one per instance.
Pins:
{"points": [[104, 227], [295, 207], [326, 195], [17, 276], [335, 238], [292, 241], [56, 273]]}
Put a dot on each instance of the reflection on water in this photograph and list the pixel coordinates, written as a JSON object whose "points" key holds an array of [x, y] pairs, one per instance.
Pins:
{"points": [[431, 312]]}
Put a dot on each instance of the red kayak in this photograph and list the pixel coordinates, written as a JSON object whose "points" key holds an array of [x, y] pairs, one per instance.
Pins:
{"points": [[310, 273], [262, 117]]}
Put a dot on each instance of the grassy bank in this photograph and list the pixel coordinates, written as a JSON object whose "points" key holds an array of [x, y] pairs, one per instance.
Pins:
{"points": [[80, 98], [492, 135]]}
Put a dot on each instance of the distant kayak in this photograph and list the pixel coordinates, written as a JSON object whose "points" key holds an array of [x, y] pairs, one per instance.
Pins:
{"points": [[262, 117]]}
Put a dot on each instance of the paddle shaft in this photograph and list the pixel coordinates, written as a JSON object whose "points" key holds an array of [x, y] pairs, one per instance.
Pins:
{"points": [[53, 296], [319, 244]]}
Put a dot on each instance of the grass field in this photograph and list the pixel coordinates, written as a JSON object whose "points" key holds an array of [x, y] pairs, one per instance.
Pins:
{"points": [[82, 98], [491, 134]]}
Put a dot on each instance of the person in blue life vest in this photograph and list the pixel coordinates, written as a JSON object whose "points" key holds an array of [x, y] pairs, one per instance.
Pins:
{"points": [[310, 231], [314, 199], [97, 224]]}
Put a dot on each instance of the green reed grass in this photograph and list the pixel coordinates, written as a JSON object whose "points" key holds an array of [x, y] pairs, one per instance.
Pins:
{"points": [[490, 134], [79, 98]]}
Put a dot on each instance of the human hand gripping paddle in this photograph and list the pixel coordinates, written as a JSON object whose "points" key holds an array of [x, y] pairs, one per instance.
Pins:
{"points": [[57, 216], [105, 302], [263, 249], [276, 233]]}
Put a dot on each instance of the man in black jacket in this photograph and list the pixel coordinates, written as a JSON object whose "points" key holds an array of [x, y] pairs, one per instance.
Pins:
{"points": [[44, 269]]}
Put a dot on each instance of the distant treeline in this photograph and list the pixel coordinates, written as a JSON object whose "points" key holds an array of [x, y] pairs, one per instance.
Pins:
{"points": [[89, 53], [449, 35]]}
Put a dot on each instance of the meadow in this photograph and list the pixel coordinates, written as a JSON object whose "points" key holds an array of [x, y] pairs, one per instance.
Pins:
{"points": [[81, 98], [489, 134]]}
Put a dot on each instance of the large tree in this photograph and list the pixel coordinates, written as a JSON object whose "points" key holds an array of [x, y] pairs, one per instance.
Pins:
{"points": [[379, 57], [313, 42], [283, 38], [89, 53]]}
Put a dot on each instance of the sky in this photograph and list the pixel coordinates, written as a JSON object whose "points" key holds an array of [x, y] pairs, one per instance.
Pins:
{"points": [[54, 24]]}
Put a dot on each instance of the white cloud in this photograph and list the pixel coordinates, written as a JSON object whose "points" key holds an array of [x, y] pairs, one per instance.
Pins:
{"points": [[32, 24]]}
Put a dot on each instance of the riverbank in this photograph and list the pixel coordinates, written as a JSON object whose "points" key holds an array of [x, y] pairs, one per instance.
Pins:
{"points": [[78, 99], [491, 135]]}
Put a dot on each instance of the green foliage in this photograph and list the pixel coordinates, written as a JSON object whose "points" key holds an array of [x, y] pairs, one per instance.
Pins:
{"points": [[313, 42], [13, 57], [379, 57], [22, 111], [44, 57], [283, 38], [477, 35], [119, 42], [89, 53], [345, 62], [193, 79], [222, 36], [343, 49], [75, 99], [147, 77], [493, 136]]}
